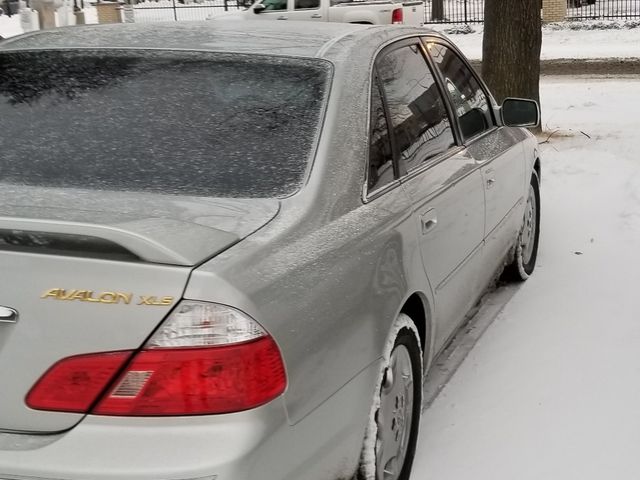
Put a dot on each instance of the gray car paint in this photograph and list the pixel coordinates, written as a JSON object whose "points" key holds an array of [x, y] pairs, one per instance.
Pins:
{"points": [[326, 277], [167, 229]]}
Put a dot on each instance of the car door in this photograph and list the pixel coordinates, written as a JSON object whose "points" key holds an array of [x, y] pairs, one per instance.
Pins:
{"points": [[441, 178], [498, 150]]}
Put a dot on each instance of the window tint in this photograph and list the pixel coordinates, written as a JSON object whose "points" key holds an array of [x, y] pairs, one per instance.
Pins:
{"points": [[418, 116], [275, 4], [380, 157], [470, 102], [190, 123], [306, 4]]}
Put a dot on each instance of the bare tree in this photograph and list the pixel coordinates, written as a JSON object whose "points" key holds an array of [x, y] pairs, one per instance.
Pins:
{"points": [[511, 48]]}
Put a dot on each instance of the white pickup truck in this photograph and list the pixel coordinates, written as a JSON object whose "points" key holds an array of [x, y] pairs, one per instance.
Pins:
{"points": [[375, 12]]}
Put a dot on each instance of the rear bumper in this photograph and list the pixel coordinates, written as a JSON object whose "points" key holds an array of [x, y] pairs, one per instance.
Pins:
{"points": [[258, 444], [184, 448]]}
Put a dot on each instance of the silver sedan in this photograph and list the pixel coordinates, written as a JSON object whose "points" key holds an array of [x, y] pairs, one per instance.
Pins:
{"points": [[231, 251]]}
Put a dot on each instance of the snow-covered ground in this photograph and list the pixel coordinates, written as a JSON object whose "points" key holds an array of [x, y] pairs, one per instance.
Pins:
{"points": [[552, 389], [564, 42]]}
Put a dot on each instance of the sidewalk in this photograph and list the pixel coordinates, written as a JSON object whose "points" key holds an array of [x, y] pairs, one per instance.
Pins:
{"points": [[613, 51], [560, 42]]}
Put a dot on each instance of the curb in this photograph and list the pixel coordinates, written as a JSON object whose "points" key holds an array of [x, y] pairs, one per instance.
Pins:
{"points": [[587, 66]]}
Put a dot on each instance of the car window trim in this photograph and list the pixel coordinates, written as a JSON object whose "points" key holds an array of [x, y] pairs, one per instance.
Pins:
{"points": [[490, 100]]}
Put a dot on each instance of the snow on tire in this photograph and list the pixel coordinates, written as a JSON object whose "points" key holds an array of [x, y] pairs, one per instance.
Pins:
{"points": [[390, 440], [526, 248]]}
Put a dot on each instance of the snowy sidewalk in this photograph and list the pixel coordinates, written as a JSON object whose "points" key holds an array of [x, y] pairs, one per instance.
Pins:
{"points": [[565, 43], [552, 389]]}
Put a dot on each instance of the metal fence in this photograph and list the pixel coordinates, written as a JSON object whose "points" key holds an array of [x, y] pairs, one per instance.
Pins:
{"points": [[594, 9], [181, 10], [435, 11], [453, 11]]}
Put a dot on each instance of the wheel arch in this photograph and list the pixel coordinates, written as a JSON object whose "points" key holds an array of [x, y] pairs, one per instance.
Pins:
{"points": [[538, 169], [416, 306]]}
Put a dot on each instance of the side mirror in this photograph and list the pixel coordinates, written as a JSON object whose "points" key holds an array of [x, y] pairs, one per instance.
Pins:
{"points": [[259, 8], [518, 112]]}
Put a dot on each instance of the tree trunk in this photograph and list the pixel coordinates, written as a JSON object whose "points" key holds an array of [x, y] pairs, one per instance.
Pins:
{"points": [[511, 48], [437, 9]]}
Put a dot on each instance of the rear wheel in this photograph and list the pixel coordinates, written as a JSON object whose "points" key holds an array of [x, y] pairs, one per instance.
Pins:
{"points": [[396, 415], [526, 249]]}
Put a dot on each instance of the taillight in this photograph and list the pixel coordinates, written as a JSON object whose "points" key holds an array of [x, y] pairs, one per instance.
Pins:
{"points": [[204, 359], [74, 383], [397, 16]]}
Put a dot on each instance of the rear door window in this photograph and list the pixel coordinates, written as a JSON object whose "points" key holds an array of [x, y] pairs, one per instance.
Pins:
{"points": [[307, 4], [189, 123], [419, 119]]}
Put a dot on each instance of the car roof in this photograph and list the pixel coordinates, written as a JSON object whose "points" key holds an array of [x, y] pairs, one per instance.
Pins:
{"points": [[306, 39]]}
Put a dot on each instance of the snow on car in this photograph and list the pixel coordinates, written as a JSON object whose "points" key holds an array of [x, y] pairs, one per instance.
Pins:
{"points": [[235, 256]]}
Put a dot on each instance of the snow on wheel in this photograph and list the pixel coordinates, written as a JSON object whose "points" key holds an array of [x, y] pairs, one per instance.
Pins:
{"points": [[526, 249], [392, 433]]}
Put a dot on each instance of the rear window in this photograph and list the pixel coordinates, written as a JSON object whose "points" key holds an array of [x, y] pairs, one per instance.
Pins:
{"points": [[187, 123]]}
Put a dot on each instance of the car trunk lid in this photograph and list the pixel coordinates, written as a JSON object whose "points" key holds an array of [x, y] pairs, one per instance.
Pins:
{"points": [[100, 280]]}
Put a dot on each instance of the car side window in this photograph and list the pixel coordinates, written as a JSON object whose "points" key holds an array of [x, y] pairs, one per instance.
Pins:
{"points": [[271, 5], [380, 168], [469, 100], [417, 112], [306, 4]]}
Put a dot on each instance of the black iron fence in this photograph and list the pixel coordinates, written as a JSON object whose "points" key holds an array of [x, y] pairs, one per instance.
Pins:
{"points": [[594, 9], [151, 11], [435, 11], [453, 11]]}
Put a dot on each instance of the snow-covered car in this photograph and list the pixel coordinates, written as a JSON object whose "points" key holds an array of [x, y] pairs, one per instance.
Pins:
{"points": [[235, 257], [373, 12]]}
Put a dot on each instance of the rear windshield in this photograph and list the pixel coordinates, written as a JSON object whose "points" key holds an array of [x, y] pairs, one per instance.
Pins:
{"points": [[187, 123]]}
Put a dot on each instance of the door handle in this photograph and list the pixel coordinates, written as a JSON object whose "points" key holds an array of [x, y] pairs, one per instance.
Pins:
{"points": [[316, 15], [283, 17], [429, 221]]}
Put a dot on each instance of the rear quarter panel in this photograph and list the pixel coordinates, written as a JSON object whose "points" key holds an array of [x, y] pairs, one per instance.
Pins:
{"points": [[329, 275]]}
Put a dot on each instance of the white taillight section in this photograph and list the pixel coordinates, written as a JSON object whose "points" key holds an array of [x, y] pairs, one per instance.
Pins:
{"points": [[201, 324]]}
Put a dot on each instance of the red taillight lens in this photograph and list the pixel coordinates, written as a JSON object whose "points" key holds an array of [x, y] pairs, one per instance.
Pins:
{"points": [[192, 381], [397, 16], [203, 359], [73, 384]]}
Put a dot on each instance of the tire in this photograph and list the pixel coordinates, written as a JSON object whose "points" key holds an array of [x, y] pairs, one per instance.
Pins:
{"points": [[395, 418], [526, 248]]}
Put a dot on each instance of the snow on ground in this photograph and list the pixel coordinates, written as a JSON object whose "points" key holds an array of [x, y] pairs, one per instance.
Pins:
{"points": [[10, 26], [552, 389], [564, 42]]}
